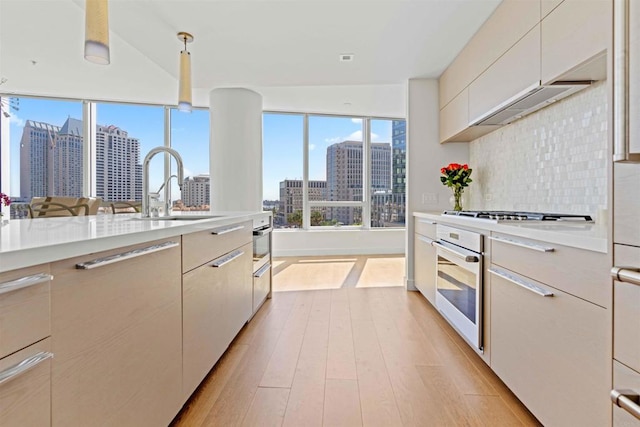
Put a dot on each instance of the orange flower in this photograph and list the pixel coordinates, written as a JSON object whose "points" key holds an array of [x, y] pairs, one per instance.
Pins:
{"points": [[465, 167]]}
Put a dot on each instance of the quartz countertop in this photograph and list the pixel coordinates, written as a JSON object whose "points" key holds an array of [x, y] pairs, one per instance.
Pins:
{"points": [[27, 242], [583, 235]]}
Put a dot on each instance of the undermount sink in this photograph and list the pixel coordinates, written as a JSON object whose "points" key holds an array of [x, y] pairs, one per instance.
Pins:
{"points": [[178, 218]]}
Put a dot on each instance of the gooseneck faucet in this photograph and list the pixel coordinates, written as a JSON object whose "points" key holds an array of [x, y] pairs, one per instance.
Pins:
{"points": [[145, 178]]}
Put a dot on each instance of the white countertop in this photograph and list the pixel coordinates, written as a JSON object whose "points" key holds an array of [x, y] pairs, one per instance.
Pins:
{"points": [[26, 242], [583, 235]]}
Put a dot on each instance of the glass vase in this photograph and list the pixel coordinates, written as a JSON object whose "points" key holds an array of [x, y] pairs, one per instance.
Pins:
{"points": [[457, 199]]}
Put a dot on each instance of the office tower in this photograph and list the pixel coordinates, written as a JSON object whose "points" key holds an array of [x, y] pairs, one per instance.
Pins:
{"points": [[37, 140], [291, 198], [344, 176], [399, 170], [66, 163], [118, 168], [195, 190]]}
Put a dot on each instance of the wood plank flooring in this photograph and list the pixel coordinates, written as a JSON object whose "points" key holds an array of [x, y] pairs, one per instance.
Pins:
{"points": [[350, 357]]}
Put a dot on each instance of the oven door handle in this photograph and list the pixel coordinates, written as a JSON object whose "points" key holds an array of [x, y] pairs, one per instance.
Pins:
{"points": [[262, 232], [465, 257]]}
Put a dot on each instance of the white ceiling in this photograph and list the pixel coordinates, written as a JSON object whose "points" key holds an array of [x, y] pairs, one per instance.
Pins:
{"points": [[259, 43]]}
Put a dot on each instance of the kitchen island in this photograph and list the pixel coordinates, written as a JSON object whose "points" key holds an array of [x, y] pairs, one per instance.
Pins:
{"points": [[117, 318]]}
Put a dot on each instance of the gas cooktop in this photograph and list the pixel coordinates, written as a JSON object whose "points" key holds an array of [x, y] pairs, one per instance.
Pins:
{"points": [[519, 216]]}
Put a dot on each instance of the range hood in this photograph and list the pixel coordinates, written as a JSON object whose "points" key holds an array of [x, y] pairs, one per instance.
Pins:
{"points": [[531, 99]]}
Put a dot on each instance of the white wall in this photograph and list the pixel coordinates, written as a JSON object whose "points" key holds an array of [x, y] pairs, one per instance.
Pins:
{"points": [[425, 157], [338, 242]]}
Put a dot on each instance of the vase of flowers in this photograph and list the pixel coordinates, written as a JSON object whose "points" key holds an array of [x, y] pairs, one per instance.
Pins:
{"points": [[4, 201], [456, 177]]}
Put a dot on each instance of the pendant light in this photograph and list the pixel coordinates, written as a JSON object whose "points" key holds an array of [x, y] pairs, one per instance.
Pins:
{"points": [[96, 36], [184, 88]]}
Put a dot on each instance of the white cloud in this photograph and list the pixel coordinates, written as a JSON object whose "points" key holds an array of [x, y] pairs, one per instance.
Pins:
{"points": [[355, 136], [15, 120], [374, 136], [333, 140], [357, 121], [312, 147]]}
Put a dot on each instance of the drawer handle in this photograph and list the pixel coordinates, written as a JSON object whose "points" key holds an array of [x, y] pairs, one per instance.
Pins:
{"points": [[262, 232], [523, 284], [424, 221], [426, 240], [527, 245], [101, 262], [226, 259], [258, 274], [30, 362], [222, 231], [627, 400], [627, 275], [465, 257], [24, 282]]}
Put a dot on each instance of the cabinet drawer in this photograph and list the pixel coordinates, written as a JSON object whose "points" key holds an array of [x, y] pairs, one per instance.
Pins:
{"points": [[424, 267], [25, 297], [628, 380], [261, 286], [576, 271], [551, 352], [626, 203], [426, 227], [203, 246], [25, 393], [626, 316]]}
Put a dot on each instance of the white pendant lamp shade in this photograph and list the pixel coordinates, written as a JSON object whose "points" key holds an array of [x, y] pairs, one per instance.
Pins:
{"points": [[96, 43], [184, 86]]}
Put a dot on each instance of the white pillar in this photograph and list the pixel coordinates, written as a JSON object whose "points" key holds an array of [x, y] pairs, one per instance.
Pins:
{"points": [[235, 149]]}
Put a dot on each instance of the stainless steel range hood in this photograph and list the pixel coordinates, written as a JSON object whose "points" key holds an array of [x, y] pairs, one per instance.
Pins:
{"points": [[531, 99]]}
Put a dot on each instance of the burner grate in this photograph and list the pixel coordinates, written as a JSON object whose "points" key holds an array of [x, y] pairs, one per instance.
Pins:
{"points": [[520, 216]]}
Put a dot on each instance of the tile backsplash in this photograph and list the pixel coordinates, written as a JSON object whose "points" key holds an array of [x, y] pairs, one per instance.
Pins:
{"points": [[554, 160]]}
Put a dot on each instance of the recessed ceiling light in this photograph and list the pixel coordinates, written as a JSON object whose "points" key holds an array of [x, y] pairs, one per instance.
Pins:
{"points": [[346, 57]]}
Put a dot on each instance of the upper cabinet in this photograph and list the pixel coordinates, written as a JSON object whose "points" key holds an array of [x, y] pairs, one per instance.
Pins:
{"points": [[523, 45], [572, 35]]}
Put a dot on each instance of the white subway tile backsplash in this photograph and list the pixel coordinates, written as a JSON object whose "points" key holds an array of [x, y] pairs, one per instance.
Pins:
{"points": [[554, 160]]}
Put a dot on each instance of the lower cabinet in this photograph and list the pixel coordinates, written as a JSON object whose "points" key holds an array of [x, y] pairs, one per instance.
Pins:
{"points": [[117, 337], [261, 286], [424, 258], [551, 351], [627, 382], [217, 302], [25, 387]]}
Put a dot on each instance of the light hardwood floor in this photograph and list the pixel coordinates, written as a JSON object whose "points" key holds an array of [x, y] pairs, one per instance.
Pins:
{"points": [[333, 272], [351, 357]]}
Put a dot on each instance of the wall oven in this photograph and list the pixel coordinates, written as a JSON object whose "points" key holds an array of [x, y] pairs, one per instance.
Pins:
{"points": [[262, 271], [261, 246], [459, 281]]}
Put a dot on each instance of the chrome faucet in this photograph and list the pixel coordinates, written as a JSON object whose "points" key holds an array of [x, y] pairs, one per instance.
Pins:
{"points": [[145, 179]]}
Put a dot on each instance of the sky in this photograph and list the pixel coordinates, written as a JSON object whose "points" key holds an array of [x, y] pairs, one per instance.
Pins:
{"points": [[282, 138]]}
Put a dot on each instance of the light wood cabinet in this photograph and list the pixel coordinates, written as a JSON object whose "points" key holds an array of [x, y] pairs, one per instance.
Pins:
{"points": [[626, 204], [626, 316], [551, 352], [424, 258], [24, 307], [517, 71], [201, 247], [628, 380], [546, 6], [511, 20], [579, 272], [217, 302], [261, 285], [117, 336], [25, 392], [572, 35], [454, 118]]}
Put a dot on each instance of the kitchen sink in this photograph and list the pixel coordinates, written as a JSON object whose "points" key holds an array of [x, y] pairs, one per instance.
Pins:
{"points": [[178, 218]]}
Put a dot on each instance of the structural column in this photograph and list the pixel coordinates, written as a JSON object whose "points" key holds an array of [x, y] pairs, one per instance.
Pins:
{"points": [[235, 149]]}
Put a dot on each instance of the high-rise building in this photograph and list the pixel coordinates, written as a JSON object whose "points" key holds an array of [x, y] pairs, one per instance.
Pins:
{"points": [[118, 168], [195, 190], [51, 161], [291, 197], [399, 170], [344, 176]]}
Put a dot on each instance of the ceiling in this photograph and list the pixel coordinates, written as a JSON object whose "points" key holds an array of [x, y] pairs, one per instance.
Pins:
{"points": [[256, 43]]}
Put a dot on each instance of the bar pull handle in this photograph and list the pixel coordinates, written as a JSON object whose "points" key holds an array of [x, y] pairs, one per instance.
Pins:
{"points": [[627, 275], [222, 231], [527, 245], [627, 400], [426, 221], [18, 369], [24, 282], [262, 232], [226, 259], [465, 257], [101, 262], [426, 240], [523, 284], [258, 274]]}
